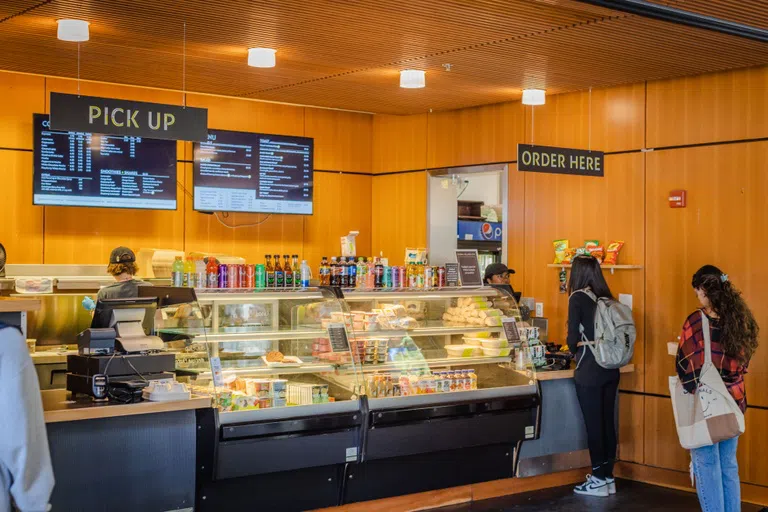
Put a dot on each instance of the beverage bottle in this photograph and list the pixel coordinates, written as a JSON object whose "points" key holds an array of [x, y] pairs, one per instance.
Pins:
{"points": [[223, 276], [212, 273], [189, 273], [200, 274], [563, 280], [324, 272], [387, 277], [370, 274], [260, 276], [270, 271], [288, 271], [352, 273], [335, 275], [279, 275], [177, 272], [296, 271], [379, 276], [344, 271], [360, 271], [305, 273]]}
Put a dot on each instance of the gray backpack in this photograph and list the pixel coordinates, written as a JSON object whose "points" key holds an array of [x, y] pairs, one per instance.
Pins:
{"points": [[615, 333]]}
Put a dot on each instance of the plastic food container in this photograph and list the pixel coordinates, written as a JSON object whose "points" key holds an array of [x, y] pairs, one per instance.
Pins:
{"points": [[463, 351], [474, 342], [494, 343], [496, 352], [34, 285]]}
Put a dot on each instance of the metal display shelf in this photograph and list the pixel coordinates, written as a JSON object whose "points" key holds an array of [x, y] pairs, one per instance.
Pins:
{"points": [[435, 329], [431, 363], [248, 334]]}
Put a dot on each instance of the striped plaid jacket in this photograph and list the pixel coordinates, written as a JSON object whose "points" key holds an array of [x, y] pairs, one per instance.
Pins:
{"points": [[690, 359]]}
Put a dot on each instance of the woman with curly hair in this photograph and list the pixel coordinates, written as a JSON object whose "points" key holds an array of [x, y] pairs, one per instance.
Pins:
{"points": [[733, 336]]}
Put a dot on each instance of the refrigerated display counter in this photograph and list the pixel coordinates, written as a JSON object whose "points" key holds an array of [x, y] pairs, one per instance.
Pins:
{"points": [[324, 397]]}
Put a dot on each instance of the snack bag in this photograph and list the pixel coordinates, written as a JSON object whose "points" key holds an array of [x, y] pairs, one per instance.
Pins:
{"points": [[612, 252], [570, 253], [588, 244], [597, 252], [561, 247], [581, 251]]}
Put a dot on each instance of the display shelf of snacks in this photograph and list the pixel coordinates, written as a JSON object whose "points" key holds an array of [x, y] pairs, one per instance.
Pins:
{"points": [[607, 256], [612, 268], [448, 362]]}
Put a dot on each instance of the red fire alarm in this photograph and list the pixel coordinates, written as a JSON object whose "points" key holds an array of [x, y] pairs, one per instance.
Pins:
{"points": [[677, 199]]}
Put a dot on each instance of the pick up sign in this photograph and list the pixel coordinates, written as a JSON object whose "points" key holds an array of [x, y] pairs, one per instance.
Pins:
{"points": [[91, 114]]}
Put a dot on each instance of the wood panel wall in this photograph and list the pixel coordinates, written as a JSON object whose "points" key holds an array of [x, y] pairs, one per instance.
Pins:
{"points": [[34, 234], [706, 134]]}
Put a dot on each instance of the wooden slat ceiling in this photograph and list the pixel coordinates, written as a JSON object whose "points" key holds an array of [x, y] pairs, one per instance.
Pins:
{"points": [[738, 11], [347, 53]]}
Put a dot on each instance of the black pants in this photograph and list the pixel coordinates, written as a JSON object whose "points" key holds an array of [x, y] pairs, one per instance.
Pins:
{"points": [[598, 405]]}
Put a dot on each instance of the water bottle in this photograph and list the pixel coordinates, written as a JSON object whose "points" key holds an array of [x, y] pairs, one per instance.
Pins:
{"points": [[306, 274]]}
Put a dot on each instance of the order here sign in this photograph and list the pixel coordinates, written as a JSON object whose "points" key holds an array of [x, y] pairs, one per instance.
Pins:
{"points": [[549, 159]]}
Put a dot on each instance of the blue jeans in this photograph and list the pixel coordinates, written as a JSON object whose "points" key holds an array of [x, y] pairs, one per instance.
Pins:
{"points": [[717, 476]]}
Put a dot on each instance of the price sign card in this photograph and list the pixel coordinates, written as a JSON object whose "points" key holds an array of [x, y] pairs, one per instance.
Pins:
{"points": [[469, 267], [510, 329], [338, 337]]}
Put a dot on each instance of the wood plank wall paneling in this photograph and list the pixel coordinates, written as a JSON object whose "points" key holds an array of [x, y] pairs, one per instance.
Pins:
{"points": [[342, 139], [753, 445], [20, 97], [473, 136], [399, 143], [724, 224], [516, 227], [334, 217], [21, 229], [617, 117], [399, 220], [715, 107], [579, 209], [631, 422], [662, 446], [250, 116]]}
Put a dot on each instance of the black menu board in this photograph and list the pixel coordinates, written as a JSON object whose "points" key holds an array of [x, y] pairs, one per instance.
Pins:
{"points": [[252, 172], [111, 171]]}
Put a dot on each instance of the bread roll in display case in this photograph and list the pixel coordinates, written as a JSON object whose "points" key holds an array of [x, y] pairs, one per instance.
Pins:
{"points": [[350, 395]]}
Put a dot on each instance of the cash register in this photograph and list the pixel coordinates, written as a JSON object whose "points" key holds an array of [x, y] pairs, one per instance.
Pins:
{"points": [[119, 354]]}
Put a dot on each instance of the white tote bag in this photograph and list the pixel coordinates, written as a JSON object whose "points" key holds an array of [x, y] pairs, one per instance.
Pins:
{"points": [[709, 415]]}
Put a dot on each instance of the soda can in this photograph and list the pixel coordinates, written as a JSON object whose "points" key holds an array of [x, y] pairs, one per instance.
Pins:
{"points": [[401, 276], [250, 276], [223, 276], [260, 276], [429, 274], [387, 277], [234, 276], [395, 274], [440, 277], [243, 278]]}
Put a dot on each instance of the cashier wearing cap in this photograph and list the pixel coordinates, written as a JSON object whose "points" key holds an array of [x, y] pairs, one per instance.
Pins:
{"points": [[122, 266], [498, 273]]}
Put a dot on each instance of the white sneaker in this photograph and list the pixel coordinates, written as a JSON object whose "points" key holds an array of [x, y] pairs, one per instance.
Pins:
{"points": [[611, 485], [593, 487]]}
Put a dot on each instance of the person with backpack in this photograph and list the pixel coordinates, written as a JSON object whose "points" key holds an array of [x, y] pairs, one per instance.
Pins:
{"points": [[732, 335], [601, 335]]}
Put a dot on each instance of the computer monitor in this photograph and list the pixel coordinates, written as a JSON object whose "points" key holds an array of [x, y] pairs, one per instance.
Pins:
{"points": [[104, 316], [169, 295]]}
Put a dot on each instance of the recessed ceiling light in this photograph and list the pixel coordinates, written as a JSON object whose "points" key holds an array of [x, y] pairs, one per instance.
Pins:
{"points": [[533, 96], [413, 79], [75, 31], [261, 57]]}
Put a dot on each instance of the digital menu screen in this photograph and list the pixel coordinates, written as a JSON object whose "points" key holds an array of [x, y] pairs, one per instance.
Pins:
{"points": [[253, 172], [89, 169]]}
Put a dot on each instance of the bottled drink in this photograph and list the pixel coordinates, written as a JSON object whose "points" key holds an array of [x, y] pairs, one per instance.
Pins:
{"points": [[441, 277], [177, 272], [335, 274], [212, 273], [279, 274], [370, 276], [306, 274], [429, 276], [344, 272], [387, 278], [270, 271], [325, 272], [296, 271], [361, 272], [394, 277], [189, 273], [223, 276], [200, 274], [260, 276], [352, 273], [379, 274], [287, 271]]}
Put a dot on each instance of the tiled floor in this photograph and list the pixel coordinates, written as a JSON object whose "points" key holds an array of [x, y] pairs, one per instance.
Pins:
{"points": [[632, 496]]}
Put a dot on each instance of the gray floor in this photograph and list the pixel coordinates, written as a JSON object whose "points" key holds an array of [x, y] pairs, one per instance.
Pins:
{"points": [[632, 496]]}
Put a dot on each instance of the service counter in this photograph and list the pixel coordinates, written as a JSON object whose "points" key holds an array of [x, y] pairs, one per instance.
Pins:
{"points": [[122, 457]]}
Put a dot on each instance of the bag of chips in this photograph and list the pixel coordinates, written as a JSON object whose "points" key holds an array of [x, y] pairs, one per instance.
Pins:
{"points": [[561, 246], [588, 244], [570, 253], [612, 252], [597, 252]]}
